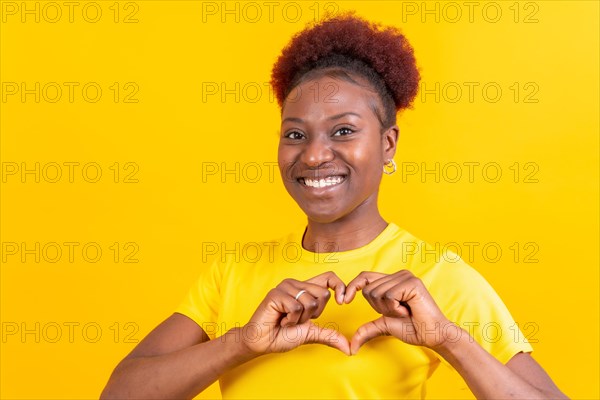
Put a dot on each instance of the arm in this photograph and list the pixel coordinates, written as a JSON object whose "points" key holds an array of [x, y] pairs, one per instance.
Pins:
{"points": [[411, 314], [177, 359], [521, 378], [165, 364]]}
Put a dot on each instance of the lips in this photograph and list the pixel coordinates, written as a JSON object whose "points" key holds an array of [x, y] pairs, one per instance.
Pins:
{"points": [[328, 181]]}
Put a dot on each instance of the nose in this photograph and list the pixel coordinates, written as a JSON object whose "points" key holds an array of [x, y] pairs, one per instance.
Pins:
{"points": [[316, 152]]}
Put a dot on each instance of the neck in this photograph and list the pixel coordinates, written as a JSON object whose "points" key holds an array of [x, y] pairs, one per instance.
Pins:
{"points": [[342, 235]]}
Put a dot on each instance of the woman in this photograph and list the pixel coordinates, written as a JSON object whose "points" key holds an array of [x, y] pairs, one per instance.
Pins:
{"points": [[249, 323]]}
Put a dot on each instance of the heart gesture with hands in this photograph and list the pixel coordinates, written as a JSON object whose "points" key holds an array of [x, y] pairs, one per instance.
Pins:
{"points": [[409, 313]]}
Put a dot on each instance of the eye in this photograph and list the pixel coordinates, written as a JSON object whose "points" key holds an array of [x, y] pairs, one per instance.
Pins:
{"points": [[343, 131], [294, 135]]}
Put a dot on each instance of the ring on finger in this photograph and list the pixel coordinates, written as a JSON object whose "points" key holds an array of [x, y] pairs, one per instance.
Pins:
{"points": [[300, 293]]}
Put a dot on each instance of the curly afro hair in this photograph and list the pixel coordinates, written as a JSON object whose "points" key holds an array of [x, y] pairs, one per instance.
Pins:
{"points": [[347, 45]]}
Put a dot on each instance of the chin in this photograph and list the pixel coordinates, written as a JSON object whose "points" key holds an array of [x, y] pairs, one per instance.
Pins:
{"points": [[322, 216]]}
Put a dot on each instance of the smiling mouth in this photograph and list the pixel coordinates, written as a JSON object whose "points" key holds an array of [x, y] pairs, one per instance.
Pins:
{"points": [[324, 182]]}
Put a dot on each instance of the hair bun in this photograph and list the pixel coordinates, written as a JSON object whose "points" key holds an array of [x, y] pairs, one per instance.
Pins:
{"points": [[384, 49]]}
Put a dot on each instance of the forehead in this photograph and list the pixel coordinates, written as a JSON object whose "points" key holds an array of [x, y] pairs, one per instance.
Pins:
{"points": [[319, 98]]}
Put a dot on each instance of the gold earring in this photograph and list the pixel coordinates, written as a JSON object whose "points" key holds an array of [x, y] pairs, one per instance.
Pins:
{"points": [[391, 163]]}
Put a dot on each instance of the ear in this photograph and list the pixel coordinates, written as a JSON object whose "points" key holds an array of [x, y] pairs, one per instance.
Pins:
{"points": [[389, 141]]}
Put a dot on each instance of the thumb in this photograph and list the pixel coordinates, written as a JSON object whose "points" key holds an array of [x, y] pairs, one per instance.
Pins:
{"points": [[328, 337], [368, 331]]}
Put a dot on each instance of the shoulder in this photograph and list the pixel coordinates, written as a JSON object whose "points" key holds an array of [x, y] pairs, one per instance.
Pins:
{"points": [[252, 260], [425, 259], [445, 274]]}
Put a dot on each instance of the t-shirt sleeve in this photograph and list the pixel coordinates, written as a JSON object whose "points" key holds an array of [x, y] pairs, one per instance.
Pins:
{"points": [[468, 300], [203, 300]]}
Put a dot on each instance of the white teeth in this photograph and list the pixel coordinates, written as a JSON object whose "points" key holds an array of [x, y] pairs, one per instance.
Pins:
{"points": [[329, 181]]}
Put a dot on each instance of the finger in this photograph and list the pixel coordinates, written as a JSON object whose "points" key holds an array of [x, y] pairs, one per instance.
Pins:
{"points": [[367, 332], [314, 289], [406, 290], [358, 283], [400, 309], [310, 305], [379, 294], [328, 337], [314, 299], [390, 295], [331, 281], [289, 308], [395, 308]]}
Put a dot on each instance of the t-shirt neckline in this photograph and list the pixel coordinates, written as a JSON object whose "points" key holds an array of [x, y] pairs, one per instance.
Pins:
{"points": [[383, 236]]}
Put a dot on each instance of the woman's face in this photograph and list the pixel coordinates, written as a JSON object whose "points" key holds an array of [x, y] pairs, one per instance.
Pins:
{"points": [[331, 149]]}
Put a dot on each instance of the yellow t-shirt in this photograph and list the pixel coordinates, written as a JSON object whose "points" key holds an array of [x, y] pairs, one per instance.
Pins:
{"points": [[229, 291]]}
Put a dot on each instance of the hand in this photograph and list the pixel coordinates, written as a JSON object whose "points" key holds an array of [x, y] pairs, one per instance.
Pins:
{"points": [[408, 310], [281, 322]]}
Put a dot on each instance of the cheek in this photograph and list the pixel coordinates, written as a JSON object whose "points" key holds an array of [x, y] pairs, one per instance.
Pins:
{"points": [[282, 155], [284, 161], [365, 159]]}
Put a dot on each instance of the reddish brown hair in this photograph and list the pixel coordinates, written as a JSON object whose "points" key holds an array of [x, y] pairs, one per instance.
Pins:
{"points": [[347, 45]]}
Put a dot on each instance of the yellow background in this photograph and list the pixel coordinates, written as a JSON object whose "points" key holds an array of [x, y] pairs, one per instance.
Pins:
{"points": [[170, 54]]}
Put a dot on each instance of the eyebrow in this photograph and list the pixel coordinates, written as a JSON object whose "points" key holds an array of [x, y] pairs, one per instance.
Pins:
{"points": [[333, 117]]}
